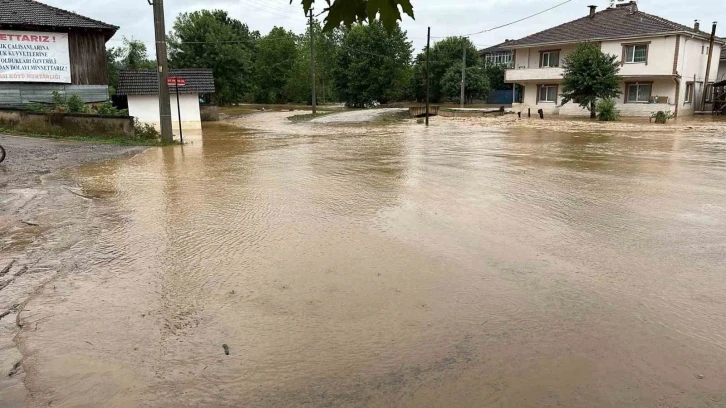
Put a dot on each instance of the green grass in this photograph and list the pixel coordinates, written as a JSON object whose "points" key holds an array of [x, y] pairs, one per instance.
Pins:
{"points": [[391, 119], [119, 141]]}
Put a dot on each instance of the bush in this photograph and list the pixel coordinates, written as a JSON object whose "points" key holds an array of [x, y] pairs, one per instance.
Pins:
{"points": [[606, 110], [108, 109], [661, 117], [59, 103], [76, 105], [145, 131], [210, 114], [35, 108]]}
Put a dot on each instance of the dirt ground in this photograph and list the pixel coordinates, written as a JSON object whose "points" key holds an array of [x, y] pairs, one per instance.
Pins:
{"points": [[34, 237]]}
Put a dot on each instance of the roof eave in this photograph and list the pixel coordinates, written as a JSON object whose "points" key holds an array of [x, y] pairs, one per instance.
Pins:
{"points": [[665, 34]]}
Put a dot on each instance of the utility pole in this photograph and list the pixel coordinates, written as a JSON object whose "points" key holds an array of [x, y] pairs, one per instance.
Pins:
{"points": [[312, 60], [428, 46], [708, 65], [163, 71], [463, 72]]}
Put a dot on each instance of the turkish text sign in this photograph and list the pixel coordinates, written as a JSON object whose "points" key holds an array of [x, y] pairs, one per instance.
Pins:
{"points": [[34, 57]]}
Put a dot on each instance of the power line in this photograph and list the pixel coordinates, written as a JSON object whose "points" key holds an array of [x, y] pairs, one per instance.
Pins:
{"points": [[513, 22]]}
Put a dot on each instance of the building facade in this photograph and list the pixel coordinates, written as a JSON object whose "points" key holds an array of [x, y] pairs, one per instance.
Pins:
{"points": [[141, 91], [662, 63], [45, 49]]}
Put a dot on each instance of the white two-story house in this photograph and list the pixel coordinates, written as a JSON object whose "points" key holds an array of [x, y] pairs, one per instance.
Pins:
{"points": [[662, 63]]}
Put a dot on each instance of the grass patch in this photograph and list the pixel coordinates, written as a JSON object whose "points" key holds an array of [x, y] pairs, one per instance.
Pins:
{"points": [[306, 117], [119, 141], [391, 118]]}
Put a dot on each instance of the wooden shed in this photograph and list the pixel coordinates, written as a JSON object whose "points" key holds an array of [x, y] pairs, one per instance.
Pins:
{"points": [[45, 49]]}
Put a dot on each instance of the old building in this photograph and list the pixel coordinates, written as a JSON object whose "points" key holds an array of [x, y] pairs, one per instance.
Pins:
{"points": [[663, 64], [141, 90], [45, 49]]}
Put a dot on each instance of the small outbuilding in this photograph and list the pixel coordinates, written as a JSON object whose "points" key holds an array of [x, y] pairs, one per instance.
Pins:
{"points": [[140, 88]]}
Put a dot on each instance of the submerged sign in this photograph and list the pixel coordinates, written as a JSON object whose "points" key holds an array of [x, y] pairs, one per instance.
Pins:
{"points": [[34, 57]]}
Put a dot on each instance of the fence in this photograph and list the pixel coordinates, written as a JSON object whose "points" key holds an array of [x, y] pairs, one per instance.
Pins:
{"points": [[15, 95]]}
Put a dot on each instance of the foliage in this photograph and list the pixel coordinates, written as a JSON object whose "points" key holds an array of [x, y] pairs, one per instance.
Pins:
{"points": [[590, 75], [76, 105], [276, 53], [326, 47], [606, 110], [212, 39], [495, 73], [145, 131], [444, 55], [352, 11], [477, 83], [107, 109], [133, 54], [371, 65], [661, 117], [35, 108]]}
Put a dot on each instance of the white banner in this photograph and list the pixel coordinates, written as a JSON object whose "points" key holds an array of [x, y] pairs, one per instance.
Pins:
{"points": [[34, 57]]}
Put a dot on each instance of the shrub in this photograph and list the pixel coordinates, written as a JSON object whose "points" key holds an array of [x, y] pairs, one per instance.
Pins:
{"points": [[35, 108], [661, 117], [108, 109], [145, 131], [210, 114], [59, 103], [76, 105], [606, 110]]}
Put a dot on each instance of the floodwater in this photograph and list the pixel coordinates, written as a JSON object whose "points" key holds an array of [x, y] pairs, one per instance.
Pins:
{"points": [[394, 266]]}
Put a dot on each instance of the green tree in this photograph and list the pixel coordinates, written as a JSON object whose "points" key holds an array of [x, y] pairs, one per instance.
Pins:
{"points": [[495, 74], [590, 75], [477, 83], [372, 65], [359, 11], [444, 55], [274, 64], [212, 39], [131, 55]]}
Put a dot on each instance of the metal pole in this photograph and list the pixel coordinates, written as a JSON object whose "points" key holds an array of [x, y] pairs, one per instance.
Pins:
{"points": [[463, 72], [428, 46], [178, 109], [312, 61], [708, 66], [163, 68]]}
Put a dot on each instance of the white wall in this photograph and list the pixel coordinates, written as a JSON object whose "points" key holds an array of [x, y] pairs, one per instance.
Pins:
{"points": [[661, 52], [146, 109], [529, 57]]}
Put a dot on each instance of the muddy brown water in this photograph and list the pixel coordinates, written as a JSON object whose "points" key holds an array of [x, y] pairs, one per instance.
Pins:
{"points": [[394, 266]]}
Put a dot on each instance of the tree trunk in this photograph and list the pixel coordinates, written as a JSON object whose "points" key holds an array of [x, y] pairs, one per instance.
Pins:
{"points": [[593, 114]]}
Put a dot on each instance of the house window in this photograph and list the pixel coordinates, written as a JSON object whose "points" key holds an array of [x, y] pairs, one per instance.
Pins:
{"points": [[638, 92], [549, 59], [548, 93], [636, 54], [499, 58], [689, 92]]}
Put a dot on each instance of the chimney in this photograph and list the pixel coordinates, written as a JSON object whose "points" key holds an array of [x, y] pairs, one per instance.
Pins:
{"points": [[593, 9], [697, 26]]}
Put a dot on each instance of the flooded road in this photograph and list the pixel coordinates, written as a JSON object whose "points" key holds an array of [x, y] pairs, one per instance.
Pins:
{"points": [[393, 266]]}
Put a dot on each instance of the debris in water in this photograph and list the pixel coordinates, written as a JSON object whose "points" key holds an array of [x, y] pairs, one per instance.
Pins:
{"points": [[226, 349], [700, 376]]}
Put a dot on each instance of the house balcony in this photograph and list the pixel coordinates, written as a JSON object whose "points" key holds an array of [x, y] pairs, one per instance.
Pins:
{"points": [[533, 74]]}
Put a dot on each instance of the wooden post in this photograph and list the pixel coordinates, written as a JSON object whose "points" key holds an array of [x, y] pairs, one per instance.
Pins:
{"points": [[178, 111], [428, 46], [708, 66], [163, 71]]}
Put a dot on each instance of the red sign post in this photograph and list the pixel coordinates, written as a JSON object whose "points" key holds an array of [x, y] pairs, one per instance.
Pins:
{"points": [[176, 82]]}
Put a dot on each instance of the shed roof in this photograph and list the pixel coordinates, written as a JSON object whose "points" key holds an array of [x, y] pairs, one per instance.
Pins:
{"points": [[496, 48], [30, 13], [146, 82], [617, 22]]}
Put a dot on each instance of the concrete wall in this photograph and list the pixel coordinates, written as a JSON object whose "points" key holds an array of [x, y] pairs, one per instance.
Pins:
{"points": [[661, 53], [146, 109], [67, 124]]}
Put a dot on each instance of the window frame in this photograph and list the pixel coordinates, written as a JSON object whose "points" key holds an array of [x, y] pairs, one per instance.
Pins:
{"points": [[624, 59], [627, 91], [549, 52], [689, 95], [539, 92]]}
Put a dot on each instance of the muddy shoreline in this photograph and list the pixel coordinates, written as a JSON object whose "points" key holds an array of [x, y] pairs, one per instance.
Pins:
{"points": [[41, 215]]}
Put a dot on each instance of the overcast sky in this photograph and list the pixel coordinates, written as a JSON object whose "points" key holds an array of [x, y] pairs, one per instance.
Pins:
{"points": [[446, 17]]}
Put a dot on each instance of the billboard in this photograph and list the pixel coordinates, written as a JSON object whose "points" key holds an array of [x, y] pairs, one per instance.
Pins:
{"points": [[27, 56]]}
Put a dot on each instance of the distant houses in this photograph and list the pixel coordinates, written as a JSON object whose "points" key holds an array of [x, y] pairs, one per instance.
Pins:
{"points": [[45, 49], [662, 63]]}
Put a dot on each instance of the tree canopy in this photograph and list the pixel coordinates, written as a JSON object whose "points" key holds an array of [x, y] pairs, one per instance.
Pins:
{"points": [[212, 39], [131, 55], [477, 83], [371, 65], [349, 12], [590, 75], [274, 65]]}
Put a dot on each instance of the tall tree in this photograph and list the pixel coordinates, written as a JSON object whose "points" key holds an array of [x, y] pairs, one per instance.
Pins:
{"points": [[212, 39], [360, 11], [372, 65], [444, 55], [132, 54], [477, 83], [274, 64], [590, 75]]}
